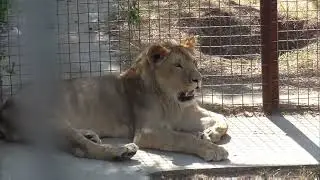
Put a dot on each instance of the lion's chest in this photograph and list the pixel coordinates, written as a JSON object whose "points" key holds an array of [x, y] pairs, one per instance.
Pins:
{"points": [[159, 114]]}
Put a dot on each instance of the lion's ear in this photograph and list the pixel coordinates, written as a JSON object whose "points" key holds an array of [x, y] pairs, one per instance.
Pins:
{"points": [[157, 53], [189, 42]]}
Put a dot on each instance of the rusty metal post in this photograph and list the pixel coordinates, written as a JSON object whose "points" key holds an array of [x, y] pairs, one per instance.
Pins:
{"points": [[269, 55]]}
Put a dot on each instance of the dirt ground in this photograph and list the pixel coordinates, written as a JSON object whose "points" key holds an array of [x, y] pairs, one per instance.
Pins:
{"points": [[228, 34], [257, 173]]}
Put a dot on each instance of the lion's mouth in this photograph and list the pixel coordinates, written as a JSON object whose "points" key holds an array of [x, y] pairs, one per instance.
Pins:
{"points": [[186, 96]]}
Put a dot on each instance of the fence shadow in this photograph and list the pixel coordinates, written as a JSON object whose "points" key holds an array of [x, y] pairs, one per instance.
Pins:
{"points": [[298, 136]]}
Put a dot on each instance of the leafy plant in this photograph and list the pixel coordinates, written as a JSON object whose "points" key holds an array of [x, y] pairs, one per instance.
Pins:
{"points": [[4, 5], [5, 66], [133, 13]]}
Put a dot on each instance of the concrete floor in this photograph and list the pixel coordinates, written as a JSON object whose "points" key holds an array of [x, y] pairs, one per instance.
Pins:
{"points": [[254, 141]]}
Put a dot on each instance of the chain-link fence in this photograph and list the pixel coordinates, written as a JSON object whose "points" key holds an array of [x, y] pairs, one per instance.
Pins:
{"points": [[98, 36]]}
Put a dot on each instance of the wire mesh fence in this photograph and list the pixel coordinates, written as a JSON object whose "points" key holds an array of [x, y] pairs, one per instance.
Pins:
{"points": [[100, 36], [299, 53], [228, 43]]}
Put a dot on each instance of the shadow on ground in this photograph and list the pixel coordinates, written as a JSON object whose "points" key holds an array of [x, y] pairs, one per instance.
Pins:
{"points": [[298, 136]]}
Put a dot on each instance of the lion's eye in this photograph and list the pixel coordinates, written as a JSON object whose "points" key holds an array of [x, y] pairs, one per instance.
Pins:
{"points": [[178, 65]]}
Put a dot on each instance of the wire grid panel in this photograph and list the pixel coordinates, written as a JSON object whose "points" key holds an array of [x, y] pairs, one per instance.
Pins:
{"points": [[228, 42], [12, 74], [298, 47], [84, 40], [99, 36]]}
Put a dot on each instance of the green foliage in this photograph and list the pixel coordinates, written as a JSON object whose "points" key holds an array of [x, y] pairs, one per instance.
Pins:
{"points": [[6, 68], [133, 14], [4, 5]]}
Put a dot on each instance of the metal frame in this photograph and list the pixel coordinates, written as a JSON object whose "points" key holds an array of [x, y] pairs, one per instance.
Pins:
{"points": [[269, 55]]}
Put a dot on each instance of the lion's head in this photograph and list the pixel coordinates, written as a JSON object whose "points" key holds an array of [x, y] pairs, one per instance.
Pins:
{"points": [[173, 68]]}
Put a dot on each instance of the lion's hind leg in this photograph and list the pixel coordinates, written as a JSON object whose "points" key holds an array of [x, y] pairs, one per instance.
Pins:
{"points": [[82, 146]]}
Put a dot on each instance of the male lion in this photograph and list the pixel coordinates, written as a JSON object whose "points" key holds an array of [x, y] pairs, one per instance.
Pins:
{"points": [[153, 102]]}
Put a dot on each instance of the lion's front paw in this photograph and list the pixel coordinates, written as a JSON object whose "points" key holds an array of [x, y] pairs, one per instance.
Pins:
{"points": [[126, 152], [203, 136], [212, 134], [214, 153], [215, 133]]}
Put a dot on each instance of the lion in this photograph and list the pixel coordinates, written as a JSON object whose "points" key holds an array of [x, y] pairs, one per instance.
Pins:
{"points": [[153, 103]]}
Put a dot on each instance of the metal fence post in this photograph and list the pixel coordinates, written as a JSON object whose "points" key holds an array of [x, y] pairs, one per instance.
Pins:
{"points": [[269, 55], [39, 40]]}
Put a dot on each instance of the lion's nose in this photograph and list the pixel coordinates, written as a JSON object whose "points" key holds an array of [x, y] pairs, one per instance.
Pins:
{"points": [[195, 80], [195, 77]]}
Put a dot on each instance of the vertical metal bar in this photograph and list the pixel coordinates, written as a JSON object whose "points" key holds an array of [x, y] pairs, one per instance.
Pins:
{"points": [[40, 44], [269, 55]]}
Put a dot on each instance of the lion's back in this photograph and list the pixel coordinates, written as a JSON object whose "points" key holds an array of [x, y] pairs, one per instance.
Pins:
{"points": [[96, 103]]}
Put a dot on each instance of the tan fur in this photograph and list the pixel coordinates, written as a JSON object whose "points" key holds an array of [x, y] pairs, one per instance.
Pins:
{"points": [[142, 103]]}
